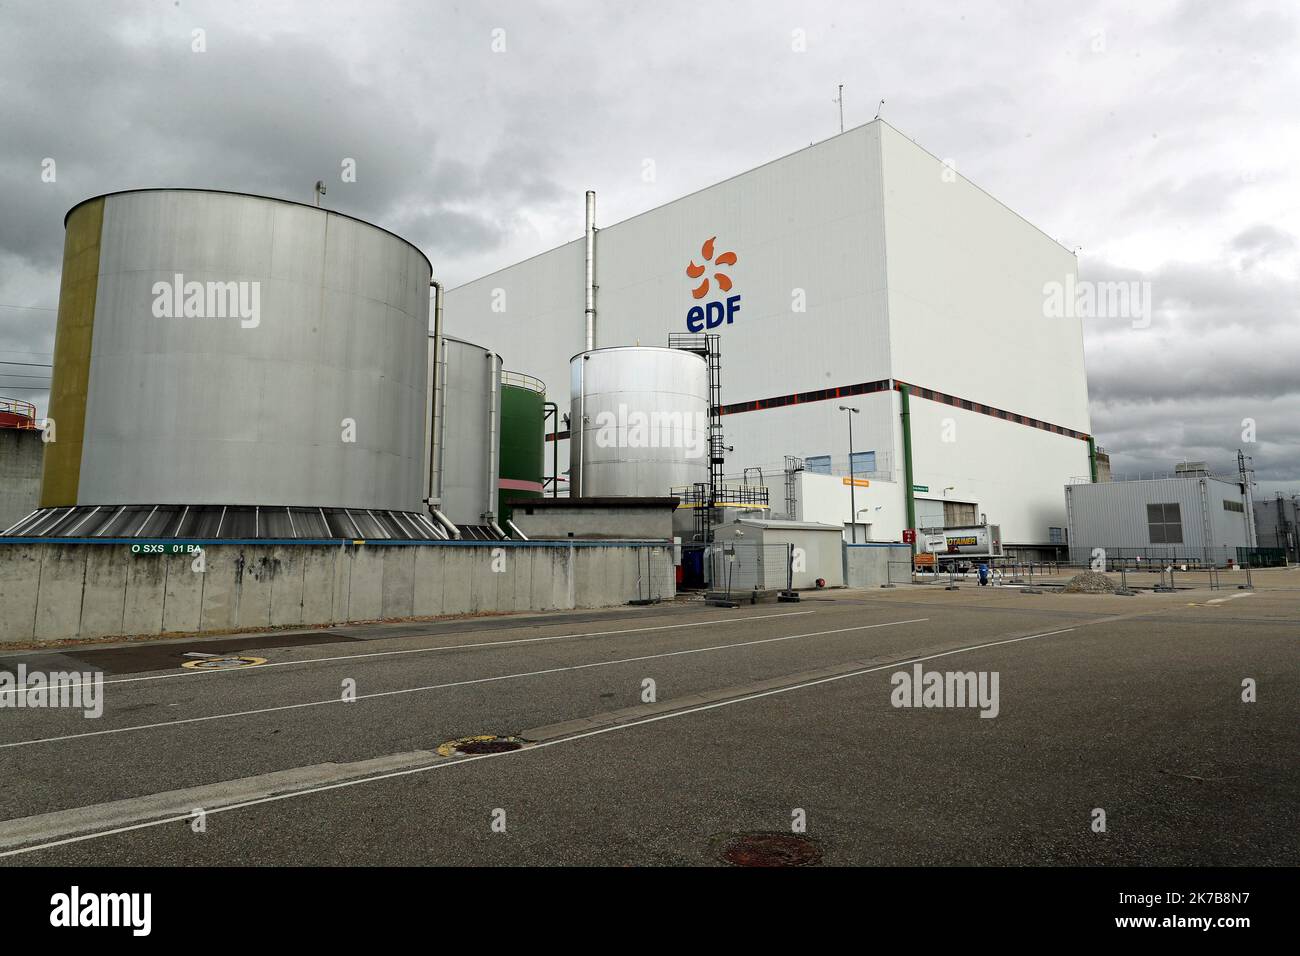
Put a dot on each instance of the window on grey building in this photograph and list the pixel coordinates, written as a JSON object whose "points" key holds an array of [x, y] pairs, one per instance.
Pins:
{"points": [[1233, 506], [1165, 523], [1056, 536], [818, 464], [864, 462]]}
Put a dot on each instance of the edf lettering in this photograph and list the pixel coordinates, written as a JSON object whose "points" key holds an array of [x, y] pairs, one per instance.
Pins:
{"points": [[712, 314]]}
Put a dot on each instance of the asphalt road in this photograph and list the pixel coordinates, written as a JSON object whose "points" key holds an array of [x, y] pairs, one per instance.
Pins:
{"points": [[759, 715]]}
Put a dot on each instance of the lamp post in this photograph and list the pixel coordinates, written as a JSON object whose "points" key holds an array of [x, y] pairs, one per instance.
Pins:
{"points": [[853, 486]]}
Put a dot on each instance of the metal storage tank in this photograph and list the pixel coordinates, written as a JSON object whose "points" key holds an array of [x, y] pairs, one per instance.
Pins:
{"points": [[464, 421], [523, 439], [639, 422], [228, 365]]}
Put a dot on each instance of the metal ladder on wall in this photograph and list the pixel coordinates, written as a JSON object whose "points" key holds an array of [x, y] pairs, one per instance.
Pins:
{"points": [[706, 496]]}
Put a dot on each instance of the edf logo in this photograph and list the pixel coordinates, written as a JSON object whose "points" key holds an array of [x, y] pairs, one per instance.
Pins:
{"points": [[710, 315]]}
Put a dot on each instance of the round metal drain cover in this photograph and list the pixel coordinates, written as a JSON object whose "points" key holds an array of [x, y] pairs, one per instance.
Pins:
{"points": [[223, 663], [481, 744], [770, 849]]}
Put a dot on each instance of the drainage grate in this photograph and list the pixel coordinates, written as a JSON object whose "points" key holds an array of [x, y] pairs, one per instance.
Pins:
{"points": [[770, 849]]}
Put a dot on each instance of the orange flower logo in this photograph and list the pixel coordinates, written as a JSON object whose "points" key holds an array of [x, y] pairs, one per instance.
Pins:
{"points": [[723, 280]]}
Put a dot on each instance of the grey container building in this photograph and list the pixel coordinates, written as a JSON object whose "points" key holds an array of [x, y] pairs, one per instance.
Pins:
{"points": [[1197, 518], [1277, 524]]}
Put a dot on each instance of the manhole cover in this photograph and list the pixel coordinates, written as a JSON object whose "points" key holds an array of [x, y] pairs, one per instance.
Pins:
{"points": [[770, 849], [481, 744], [223, 663]]}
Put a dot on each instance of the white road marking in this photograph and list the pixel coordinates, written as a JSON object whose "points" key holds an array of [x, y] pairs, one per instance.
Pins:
{"points": [[461, 683], [1232, 598], [430, 650], [529, 749]]}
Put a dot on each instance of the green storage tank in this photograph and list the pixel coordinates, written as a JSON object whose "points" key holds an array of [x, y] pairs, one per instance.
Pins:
{"points": [[523, 440]]}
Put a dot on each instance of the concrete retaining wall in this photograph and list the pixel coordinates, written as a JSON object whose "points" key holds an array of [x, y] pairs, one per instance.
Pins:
{"points": [[22, 456], [869, 565], [69, 590]]}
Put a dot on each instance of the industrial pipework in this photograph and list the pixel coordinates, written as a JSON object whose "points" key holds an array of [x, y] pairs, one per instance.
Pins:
{"points": [[909, 490], [591, 270]]}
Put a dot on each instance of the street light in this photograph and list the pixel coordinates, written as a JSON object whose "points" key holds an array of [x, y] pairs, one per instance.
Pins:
{"points": [[853, 497]]}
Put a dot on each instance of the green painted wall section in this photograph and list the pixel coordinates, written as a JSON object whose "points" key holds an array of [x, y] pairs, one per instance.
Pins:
{"points": [[523, 451]]}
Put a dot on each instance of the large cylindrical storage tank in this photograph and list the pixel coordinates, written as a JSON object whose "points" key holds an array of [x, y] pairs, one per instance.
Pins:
{"points": [[523, 439], [464, 418], [224, 363], [639, 421]]}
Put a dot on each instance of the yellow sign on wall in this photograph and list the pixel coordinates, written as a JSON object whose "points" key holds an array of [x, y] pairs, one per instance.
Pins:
{"points": [[859, 482]]}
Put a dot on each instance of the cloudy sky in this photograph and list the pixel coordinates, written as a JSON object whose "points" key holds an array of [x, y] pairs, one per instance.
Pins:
{"points": [[1159, 139]]}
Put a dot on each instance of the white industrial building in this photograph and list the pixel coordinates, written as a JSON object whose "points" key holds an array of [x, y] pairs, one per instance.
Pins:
{"points": [[857, 266]]}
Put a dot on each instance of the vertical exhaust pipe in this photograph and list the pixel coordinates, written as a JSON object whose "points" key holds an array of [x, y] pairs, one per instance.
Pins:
{"points": [[591, 269], [433, 485]]}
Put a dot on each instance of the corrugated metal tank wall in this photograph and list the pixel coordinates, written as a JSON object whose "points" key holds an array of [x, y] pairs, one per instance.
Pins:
{"points": [[464, 416], [640, 421], [311, 398]]}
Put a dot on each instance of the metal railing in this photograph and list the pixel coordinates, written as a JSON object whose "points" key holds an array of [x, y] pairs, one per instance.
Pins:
{"points": [[520, 380], [24, 411]]}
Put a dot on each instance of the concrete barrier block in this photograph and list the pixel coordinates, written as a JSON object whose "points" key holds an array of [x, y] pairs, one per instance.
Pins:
{"points": [[483, 580], [429, 579], [104, 597], [366, 586], [261, 570], [591, 576], [58, 601], [146, 588], [342, 581], [320, 568], [287, 587], [521, 579], [459, 562], [182, 591], [398, 586], [221, 587], [20, 574], [541, 576]]}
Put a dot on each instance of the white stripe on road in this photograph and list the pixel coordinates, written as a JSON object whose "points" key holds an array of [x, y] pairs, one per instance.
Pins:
{"points": [[461, 683], [511, 753], [429, 650], [1233, 598]]}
